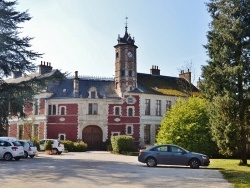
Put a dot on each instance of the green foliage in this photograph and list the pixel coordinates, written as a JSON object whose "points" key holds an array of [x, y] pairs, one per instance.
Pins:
{"points": [[80, 146], [106, 146], [234, 173], [226, 78], [17, 57], [187, 124], [36, 143], [68, 145], [48, 145], [122, 143], [74, 146], [223, 118]]}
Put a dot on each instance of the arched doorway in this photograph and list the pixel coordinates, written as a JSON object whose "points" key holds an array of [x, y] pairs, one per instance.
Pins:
{"points": [[92, 135]]}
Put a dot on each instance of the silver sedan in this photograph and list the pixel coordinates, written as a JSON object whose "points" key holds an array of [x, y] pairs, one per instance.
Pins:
{"points": [[169, 154]]}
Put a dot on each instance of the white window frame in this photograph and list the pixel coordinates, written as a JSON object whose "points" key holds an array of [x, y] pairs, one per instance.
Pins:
{"points": [[94, 105], [115, 132], [65, 112], [92, 89], [61, 134], [115, 111], [132, 129], [133, 108]]}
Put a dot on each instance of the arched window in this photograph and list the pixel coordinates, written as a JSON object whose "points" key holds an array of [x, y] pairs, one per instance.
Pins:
{"points": [[62, 110]]}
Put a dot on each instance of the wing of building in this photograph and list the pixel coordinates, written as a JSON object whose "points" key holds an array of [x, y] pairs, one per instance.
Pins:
{"points": [[93, 109]]}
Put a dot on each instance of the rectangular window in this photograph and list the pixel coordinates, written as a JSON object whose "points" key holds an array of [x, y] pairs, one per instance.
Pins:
{"points": [[93, 108], [35, 132], [53, 109], [20, 133], [147, 135], [50, 110], [129, 129], [147, 107], [117, 111], [130, 73], [158, 108], [36, 107], [122, 72], [130, 112], [168, 105]]}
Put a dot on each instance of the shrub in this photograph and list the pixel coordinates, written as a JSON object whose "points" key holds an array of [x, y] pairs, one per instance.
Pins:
{"points": [[48, 145], [80, 146], [122, 143], [68, 145], [74, 146]]}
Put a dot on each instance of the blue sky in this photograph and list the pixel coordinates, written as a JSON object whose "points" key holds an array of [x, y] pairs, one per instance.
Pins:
{"points": [[80, 35]]}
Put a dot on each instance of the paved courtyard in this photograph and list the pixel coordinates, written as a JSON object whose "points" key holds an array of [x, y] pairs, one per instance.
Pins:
{"points": [[101, 169]]}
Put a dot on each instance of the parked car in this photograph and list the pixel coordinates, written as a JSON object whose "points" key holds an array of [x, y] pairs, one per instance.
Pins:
{"points": [[29, 148], [169, 154], [58, 147], [10, 148]]}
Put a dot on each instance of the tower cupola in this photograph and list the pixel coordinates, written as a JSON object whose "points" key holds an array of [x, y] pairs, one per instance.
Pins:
{"points": [[126, 39]]}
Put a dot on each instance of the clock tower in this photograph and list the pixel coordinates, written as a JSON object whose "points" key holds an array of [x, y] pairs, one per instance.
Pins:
{"points": [[125, 63]]}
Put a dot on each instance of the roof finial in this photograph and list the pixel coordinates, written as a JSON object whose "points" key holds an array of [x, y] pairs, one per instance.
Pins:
{"points": [[126, 28]]}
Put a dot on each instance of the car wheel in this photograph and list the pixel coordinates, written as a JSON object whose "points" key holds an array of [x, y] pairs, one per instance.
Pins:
{"points": [[194, 163], [17, 158], [151, 162], [55, 151], [59, 152], [25, 154], [31, 156], [7, 157]]}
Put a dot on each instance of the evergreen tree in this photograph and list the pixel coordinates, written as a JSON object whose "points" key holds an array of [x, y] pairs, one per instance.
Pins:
{"points": [[187, 124], [226, 78], [15, 57]]}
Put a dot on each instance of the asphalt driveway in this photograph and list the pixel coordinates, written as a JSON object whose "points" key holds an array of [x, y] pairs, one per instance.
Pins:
{"points": [[101, 169]]}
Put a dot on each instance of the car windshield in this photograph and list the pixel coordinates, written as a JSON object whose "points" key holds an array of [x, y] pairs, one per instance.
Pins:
{"points": [[16, 143]]}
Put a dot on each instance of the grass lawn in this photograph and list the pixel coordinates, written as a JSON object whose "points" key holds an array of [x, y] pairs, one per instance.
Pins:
{"points": [[236, 174]]}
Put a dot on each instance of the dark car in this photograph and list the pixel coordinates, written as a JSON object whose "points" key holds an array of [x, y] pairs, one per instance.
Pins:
{"points": [[169, 154]]}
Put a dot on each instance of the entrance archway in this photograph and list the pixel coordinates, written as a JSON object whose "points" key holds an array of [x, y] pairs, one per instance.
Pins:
{"points": [[92, 135]]}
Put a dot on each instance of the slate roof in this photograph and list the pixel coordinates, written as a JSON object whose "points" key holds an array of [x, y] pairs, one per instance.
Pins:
{"points": [[105, 88], [147, 83]]}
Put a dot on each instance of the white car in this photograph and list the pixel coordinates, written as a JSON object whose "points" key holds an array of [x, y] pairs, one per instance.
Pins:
{"points": [[58, 147], [29, 148], [10, 148]]}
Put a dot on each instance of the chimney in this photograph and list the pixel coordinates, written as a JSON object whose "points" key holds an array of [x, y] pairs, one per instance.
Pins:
{"points": [[17, 74], [186, 75], [155, 70], [76, 85], [45, 67]]}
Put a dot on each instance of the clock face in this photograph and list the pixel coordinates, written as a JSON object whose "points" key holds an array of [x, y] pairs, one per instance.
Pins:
{"points": [[130, 54]]}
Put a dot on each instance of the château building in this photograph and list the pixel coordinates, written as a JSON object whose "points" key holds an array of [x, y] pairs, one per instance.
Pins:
{"points": [[93, 109]]}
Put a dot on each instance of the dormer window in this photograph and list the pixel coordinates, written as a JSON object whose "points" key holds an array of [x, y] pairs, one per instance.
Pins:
{"points": [[92, 93]]}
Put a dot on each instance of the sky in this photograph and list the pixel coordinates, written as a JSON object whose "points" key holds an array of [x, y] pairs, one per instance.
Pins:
{"points": [[80, 35]]}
